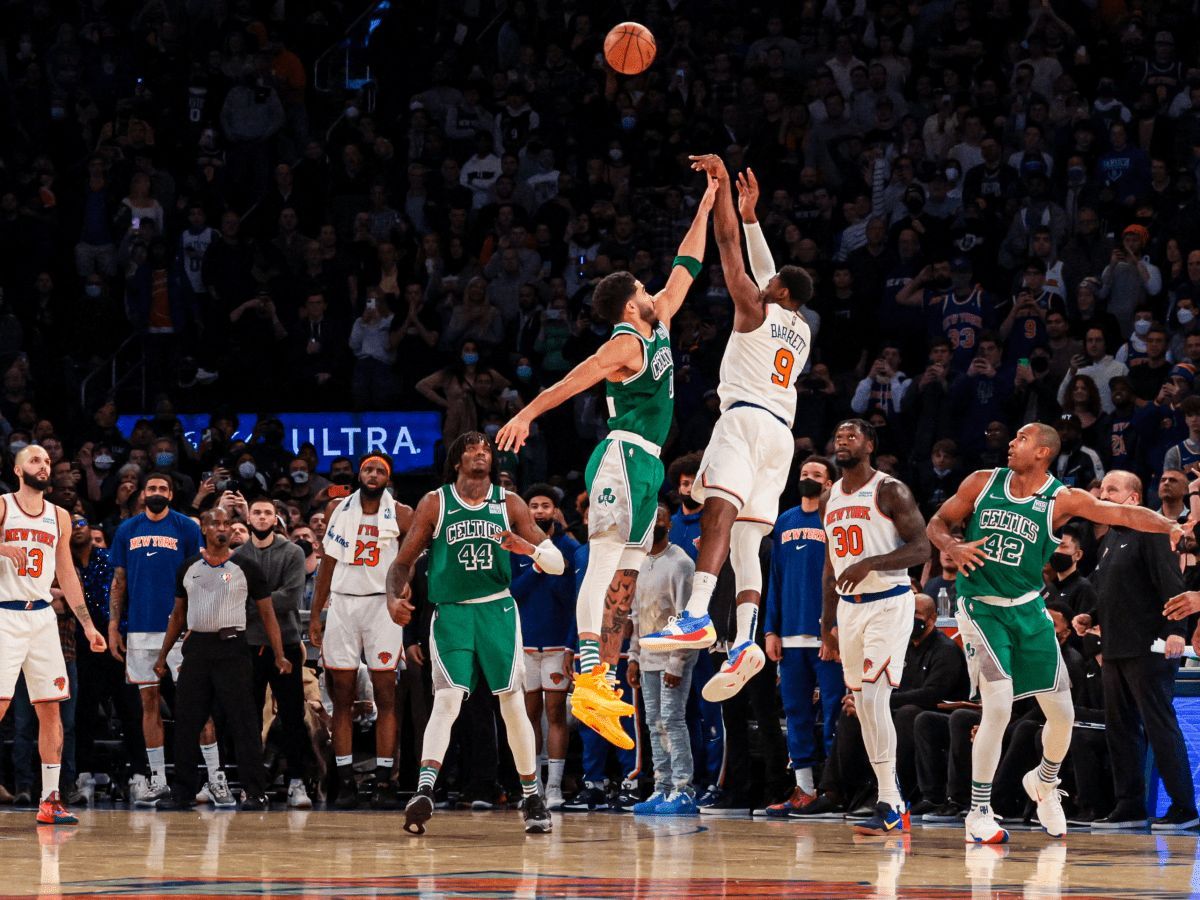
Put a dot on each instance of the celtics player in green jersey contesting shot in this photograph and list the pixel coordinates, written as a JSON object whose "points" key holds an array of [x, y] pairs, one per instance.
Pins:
{"points": [[624, 473], [1010, 516], [469, 526]]}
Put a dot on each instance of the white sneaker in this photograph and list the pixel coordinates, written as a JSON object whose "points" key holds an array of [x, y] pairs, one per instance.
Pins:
{"points": [[982, 828], [1049, 803], [151, 793], [203, 376], [86, 786], [217, 793], [554, 798], [298, 796]]}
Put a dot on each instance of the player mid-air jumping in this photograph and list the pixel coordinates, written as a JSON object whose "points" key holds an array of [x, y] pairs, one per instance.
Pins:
{"points": [[624, 473], [746, 463]]}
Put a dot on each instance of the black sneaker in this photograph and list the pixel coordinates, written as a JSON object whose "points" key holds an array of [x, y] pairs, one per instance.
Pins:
{"points": [[624, 799], [924, 806], [537, 817], [823, 807], [591, 799], [171, 803], [385, 796], [1123, 817], [1081, 818], [948, 812], [24, 797], [347, 793], [255, 804], [728, 807], [1178, 818], [418, 811]]}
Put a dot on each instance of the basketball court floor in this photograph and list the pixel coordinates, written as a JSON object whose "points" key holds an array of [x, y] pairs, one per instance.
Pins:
{"points": [[116, 854]]}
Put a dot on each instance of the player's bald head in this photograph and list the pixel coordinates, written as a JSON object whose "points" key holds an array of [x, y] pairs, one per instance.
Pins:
{"points": [[1046, 436]]}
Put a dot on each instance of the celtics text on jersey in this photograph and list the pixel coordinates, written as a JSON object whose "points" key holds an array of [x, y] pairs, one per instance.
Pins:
{"points": [[1018, 538], [644, 403], [466, 561]]}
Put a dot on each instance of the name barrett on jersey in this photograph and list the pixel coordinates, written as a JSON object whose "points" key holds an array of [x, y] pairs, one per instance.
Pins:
{"points": [[793, 339]]}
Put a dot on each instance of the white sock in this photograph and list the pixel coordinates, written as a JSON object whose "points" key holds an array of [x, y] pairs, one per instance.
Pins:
{"points": [[703, 585], [346, 760], [383, 762], [747, 619], [804, 780], [158, 764], [50, 775], [212, 759], [554, 774]]}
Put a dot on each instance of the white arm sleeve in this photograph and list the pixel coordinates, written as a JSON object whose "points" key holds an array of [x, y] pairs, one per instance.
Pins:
{"points": [[549, 559], [762, 264]]}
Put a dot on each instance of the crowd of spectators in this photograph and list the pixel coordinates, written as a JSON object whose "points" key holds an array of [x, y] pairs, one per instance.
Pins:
{"points": [[997, 204]]}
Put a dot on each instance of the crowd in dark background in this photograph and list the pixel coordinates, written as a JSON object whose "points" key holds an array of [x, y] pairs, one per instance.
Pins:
{"points": [[998, 206]]}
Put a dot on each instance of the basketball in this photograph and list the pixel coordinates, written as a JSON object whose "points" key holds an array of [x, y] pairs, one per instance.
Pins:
{"points": [[629, 48]]}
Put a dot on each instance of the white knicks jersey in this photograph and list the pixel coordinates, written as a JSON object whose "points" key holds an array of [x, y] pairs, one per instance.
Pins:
{"points": [[373, 556], [38, 534], [761, 366], [855, 529]]}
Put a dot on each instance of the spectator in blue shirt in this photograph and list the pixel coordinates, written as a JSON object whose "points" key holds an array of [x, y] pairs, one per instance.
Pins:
{"points": [[685, 523], [147, 551], [1125, 168], [792, 624], [547, 609]]}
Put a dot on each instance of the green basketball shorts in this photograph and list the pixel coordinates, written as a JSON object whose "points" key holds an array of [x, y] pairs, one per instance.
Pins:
{"points": [[467, 638], [623, 481], [1018, 641]]}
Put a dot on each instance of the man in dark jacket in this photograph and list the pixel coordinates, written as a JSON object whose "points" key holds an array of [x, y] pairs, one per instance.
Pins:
{"points": [[1136, 574], [1069, 586], [282, 565]]}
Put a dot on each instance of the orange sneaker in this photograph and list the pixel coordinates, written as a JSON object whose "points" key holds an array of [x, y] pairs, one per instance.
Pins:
{"points": [[52, 812], [593, 690], [605, 725]]}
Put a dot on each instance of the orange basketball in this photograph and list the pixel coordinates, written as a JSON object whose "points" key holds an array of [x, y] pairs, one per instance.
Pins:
{"points": [[629, 48]]}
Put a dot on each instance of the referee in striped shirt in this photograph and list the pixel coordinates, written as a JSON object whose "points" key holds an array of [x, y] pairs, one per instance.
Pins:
{"points": [[211, 594]]}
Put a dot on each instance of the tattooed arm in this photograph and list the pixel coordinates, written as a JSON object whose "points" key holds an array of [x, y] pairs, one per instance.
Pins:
{"points": [[68, 581], [116, 606]]}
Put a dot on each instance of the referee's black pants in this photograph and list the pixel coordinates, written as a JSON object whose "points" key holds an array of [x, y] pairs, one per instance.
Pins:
{"points": [[288, 693], [216, 671], [1138, 708]]}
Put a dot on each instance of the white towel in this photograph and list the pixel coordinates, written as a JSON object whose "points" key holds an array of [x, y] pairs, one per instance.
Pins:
{"points": [[341, 532]]}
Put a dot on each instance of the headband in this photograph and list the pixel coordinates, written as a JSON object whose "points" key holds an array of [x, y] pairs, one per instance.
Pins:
{"points": [[379, 459]]}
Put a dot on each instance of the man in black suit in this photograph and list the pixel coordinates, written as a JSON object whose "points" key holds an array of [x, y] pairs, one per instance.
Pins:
{"points": [[1136, 574]]}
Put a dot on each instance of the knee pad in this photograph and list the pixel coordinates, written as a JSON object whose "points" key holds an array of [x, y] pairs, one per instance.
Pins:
{"points": [[745, 539]]}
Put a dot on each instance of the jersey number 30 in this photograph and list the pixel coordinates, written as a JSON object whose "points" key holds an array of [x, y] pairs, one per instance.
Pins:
{"points": [[784, 363], [475, 557], [847, 541]]}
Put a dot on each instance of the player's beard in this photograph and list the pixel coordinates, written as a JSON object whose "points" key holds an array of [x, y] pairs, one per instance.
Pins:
{"points": [[37, 484], [850, 462], [373, 493]]}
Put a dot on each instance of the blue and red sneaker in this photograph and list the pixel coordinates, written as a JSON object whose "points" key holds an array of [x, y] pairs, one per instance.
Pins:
{"points": [[52, 812], [885, 821], [683, 631], [744, 662]]}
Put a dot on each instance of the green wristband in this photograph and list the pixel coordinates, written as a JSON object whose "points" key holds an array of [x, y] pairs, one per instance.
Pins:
{"points": [[688, 262]]}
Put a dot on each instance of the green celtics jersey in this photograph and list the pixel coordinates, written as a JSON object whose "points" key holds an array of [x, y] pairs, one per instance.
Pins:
{"points": [[465, 558], [1018, 539], [644, 403]]}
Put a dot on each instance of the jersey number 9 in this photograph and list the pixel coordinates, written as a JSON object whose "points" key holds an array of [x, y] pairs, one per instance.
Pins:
{"points": [[784, 363]]}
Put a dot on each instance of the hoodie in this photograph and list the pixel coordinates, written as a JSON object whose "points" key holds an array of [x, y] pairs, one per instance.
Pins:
{"points": [[282, 564]]}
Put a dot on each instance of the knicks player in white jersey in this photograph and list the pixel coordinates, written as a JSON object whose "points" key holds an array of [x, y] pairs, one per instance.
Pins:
{"points": [[746, 464], [36, 549], [875, 533], [362, 535]]}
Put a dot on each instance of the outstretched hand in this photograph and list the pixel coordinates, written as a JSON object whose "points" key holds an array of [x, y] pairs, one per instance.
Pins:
{"points": [[747, 186], [513, 434], [704, 207], [711, 164]]}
